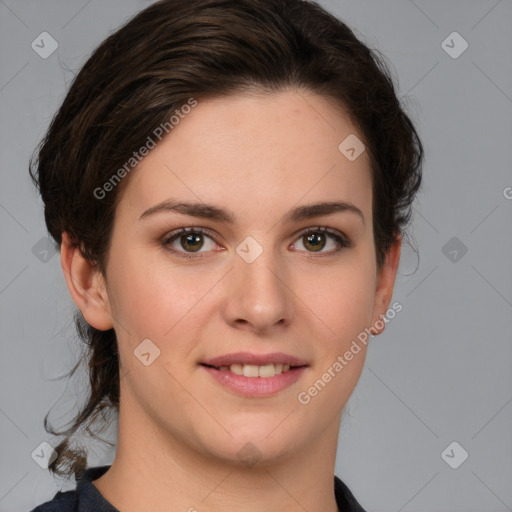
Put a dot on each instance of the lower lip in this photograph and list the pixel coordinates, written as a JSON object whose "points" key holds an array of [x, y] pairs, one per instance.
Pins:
{"points": [[256, 386]]}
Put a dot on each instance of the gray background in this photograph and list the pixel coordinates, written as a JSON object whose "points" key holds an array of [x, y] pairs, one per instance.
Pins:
{"points": [[440, 373]]}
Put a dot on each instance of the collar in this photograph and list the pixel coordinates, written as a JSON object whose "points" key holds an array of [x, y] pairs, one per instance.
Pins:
{"points": [[90, 498]]}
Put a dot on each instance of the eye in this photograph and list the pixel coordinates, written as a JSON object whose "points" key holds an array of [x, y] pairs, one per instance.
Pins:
{"points": [[191, 241], [315, 239]]}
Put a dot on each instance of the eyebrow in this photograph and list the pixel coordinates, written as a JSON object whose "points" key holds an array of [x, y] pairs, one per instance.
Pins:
{"points": [[212, 212]]}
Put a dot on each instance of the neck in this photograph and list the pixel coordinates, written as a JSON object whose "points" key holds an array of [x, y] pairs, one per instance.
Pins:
{"points": [[156, 471]]}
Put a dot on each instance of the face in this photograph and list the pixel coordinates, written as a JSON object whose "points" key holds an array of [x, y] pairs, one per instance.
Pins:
{"points": [[273, 285]]}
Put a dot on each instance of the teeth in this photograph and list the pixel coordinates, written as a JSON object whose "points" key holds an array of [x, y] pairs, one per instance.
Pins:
{"points": [[252, 370], [238, 369]]}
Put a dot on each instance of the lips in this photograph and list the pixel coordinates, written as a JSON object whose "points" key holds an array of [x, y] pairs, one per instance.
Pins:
{"points": [[254, 381], [255, 375]]}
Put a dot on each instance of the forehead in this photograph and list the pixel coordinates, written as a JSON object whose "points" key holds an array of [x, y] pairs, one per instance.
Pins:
{"points": [[254, 152]]}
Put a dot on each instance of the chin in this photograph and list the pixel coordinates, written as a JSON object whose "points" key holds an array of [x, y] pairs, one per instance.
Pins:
{"points": [[260, 444]]}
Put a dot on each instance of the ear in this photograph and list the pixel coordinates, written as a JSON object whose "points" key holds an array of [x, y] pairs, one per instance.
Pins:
{"points": [[384, 285], [86, 285]]}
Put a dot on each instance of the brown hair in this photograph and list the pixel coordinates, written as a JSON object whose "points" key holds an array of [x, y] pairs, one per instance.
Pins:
{"points": [[175, 50]]}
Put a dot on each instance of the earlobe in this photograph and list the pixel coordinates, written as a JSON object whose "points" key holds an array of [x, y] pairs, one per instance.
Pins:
{"points": [[385, 284], [86, 286]]}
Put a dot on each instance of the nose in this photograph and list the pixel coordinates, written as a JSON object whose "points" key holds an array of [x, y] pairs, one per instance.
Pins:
{"points": [[259, 295]]}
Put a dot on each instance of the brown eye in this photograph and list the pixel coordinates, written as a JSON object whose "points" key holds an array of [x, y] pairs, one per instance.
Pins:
{"points": [[187, 241], [316, 239], [191, 241]]}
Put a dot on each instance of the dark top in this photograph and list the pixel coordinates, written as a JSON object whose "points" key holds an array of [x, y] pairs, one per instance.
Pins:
{"points": [[86, 498]]}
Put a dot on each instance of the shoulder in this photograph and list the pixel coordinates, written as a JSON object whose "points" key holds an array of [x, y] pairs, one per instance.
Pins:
{"points": [[344, 497], [61, 502], [84, 498]]}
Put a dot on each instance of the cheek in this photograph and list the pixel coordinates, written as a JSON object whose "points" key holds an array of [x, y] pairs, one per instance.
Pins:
{"points": [[149, 296], [344, 303], [345, 308], [135, 293]]}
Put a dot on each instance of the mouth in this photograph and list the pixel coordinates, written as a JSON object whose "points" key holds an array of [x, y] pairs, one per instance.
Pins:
{"points": [[253, 370], [249, 364], [255, 375]]}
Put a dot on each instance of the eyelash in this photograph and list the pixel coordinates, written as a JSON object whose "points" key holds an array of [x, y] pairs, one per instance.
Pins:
{"points": [[342, 241]]}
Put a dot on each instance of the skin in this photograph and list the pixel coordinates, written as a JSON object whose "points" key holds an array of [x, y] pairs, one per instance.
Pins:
{"points": [[179, 430]]}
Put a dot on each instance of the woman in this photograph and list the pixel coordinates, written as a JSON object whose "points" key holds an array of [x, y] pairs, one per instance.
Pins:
{"points": [[229, 182]]}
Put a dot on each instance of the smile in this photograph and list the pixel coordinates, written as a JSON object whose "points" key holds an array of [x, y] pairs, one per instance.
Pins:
{"points": [[255, 376], [253, 370]]}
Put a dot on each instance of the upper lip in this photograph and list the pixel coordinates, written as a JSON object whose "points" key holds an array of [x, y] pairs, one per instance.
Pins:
{"points": [[256, 359]]}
